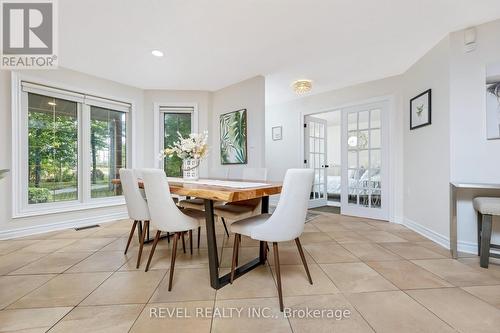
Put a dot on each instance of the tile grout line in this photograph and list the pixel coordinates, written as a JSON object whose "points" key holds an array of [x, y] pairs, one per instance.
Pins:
{"points": [[74, 307], [146, 304], [55, 275], [112, 273], [29, 292], [339, 290], [430, 311]]}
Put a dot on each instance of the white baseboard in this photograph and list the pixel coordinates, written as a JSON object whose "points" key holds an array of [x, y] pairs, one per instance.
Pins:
{"points": [[76, 223], [397, 219], [466, 247]]}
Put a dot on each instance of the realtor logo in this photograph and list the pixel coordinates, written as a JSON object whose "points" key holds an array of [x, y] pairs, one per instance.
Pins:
{"points": [[28, 34]]}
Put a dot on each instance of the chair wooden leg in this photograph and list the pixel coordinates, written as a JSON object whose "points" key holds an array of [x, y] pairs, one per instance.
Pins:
{"points": [[234, 262], [172, 261], [278, 273], [139, 234], [485, 241], [131, 235], [479, 230], [191, 241], [157, 238], [183, 243], [199, 235], [141, 245], [225, 226], [299, 247]]}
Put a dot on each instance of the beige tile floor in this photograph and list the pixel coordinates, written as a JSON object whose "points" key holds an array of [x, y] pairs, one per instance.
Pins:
{"points": [[381, 277]]}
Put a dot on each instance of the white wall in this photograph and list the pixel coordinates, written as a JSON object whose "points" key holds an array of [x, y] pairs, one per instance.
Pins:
{"points": [[473, 158], [285, 154], [427, 149], [202, 98], [84, 83], [250, 95]]}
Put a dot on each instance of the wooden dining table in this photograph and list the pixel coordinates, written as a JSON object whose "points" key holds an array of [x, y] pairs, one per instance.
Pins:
{"points": [[212, 190]]}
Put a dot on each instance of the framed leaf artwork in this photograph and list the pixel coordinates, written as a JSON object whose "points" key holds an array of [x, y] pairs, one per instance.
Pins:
{"points": [[421, 110], [233, 137]]}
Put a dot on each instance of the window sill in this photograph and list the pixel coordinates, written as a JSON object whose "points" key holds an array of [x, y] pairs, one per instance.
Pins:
{"points": [[69, 207]]}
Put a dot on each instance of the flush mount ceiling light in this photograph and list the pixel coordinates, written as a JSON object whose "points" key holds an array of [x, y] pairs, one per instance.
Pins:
{"points": [[157, 53], [302, 86]]}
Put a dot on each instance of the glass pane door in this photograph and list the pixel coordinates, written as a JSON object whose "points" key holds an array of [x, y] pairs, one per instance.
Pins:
{"points": [[315, 134], [364, 173]]}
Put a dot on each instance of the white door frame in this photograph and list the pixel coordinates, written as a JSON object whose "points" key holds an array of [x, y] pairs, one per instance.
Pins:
{"points": [[390, 99]]}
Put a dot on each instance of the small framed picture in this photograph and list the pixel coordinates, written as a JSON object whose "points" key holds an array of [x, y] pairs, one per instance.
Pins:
{"points": [[421, 110], [277, 133]]}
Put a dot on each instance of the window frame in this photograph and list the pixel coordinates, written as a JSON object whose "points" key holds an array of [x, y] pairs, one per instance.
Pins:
{"points": [[159, 124], [20, 206]]}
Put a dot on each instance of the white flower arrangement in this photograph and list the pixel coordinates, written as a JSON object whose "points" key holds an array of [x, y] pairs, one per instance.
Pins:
{"points": [[193, 147]]}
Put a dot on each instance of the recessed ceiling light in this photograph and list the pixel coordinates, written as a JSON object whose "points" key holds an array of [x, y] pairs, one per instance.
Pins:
{"points": [[157, 53], [302, 86]]}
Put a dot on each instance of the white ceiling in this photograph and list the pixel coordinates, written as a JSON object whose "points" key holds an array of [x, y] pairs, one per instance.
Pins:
{"points": [[209, 44]]}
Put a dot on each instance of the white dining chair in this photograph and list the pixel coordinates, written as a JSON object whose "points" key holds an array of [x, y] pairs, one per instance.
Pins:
{"points": [[199, 204], [242, 209], [166, 216], [137, 208], [285, 224]]}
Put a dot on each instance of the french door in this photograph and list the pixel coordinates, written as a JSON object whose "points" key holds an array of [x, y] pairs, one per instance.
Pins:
{"points": [[315, 134], [365, 161]]}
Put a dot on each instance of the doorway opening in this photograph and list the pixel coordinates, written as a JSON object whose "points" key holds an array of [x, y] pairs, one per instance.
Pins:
{"points": [[348, 150], [324, 136]]}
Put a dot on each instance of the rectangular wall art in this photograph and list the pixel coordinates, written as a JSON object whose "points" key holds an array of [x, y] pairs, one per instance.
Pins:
{"points": [[421, 110], [493, 101], [233, 137]]}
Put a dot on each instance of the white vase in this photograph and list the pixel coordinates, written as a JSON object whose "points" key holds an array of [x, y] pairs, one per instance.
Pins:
{"points": [[190, 169]]}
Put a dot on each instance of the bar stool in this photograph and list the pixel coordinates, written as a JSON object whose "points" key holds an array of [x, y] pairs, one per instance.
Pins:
{"points": [[486, 208]]}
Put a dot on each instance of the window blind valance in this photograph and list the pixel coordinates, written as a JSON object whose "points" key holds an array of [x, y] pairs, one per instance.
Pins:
{"points": [[75, 96], [177, 109], [52, 92], [107, 103]]}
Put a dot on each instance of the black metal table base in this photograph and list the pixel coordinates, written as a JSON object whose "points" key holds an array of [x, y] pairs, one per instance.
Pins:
{"points": [[242, 270], [218, 282], [150, 240]]}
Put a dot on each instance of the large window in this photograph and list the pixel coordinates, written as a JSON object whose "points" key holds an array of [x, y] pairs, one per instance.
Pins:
{"points": [[70, 148], [53, 149], [175, 121], [108, 150]]}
